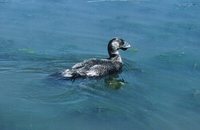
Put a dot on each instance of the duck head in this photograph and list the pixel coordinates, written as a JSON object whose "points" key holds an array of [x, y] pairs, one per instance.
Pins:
{"points": [[116, 44]]}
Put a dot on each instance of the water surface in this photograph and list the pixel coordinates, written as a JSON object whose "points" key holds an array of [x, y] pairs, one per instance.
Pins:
{"points": [[41, 37]]}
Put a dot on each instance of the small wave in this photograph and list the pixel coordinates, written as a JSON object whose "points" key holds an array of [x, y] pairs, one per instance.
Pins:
{"points": [[3, 1], [98, 1], [185, 5], [95, 1]]}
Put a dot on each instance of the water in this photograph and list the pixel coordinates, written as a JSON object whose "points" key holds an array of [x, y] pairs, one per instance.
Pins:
{"points": [[41, 37]]}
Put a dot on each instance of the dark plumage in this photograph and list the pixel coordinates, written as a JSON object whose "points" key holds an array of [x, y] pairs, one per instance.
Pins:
{"points": [[100, 67]]}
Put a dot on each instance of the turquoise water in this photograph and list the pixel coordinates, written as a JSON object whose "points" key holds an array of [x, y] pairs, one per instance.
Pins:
{"points": [[161, 75]]}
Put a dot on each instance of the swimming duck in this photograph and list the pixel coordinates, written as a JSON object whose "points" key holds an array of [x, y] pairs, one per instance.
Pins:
{"points": [[100, 67]]}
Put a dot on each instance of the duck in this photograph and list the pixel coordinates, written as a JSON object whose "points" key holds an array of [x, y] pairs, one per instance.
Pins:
{"points": [[96, 68]]}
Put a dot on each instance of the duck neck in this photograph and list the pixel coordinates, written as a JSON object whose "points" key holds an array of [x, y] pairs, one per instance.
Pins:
{"points": [[115, 56]]}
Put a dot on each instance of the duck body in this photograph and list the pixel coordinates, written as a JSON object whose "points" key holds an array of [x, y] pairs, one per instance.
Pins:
{"points": [[94, 68]]}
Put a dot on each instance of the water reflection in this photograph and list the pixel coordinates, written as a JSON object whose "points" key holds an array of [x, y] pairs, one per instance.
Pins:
{"points": [[114, 82]]}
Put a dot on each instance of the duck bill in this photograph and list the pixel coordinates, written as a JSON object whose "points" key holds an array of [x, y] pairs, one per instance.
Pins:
{"points": [[126, 46]]}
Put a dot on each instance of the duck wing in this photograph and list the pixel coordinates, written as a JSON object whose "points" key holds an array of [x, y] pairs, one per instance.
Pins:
{"points": [[92, 68], [102, 68], [79, 69], [83, 64]]}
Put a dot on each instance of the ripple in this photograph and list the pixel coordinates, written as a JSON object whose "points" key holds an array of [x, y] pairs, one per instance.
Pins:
{"points": [[185, 5], [3, 1], [178, 61], [99, 1], [95, 1]]}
